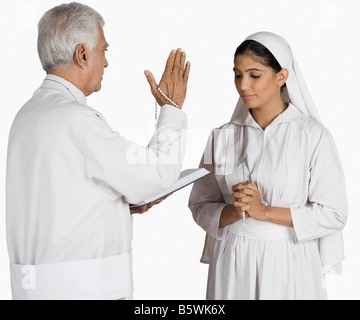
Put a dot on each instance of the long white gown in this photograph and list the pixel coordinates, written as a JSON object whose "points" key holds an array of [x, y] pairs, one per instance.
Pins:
{"points": [[70, 179], [295, 164]]}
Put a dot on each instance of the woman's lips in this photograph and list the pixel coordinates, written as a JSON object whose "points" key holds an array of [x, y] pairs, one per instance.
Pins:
{"points": [[247, 96]]}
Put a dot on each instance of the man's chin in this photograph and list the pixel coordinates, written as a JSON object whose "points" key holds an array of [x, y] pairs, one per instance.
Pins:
{"points": [[91, 92], [98, 88]]}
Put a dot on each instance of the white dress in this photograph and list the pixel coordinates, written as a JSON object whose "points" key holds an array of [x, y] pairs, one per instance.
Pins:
{"points": [[295, 165], [70, 179]]}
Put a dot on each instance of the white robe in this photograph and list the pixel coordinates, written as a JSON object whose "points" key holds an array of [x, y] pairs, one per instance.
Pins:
{"points": [[70, 179], [295, 164]]}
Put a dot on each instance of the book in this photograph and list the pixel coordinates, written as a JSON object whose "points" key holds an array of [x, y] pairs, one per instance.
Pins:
{"points": [[186, 177]]}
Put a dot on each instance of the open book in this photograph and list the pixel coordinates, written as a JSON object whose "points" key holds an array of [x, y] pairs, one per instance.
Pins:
{"points": [[186, 177]]}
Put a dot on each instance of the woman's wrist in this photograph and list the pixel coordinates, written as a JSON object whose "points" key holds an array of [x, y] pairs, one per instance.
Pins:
{"points": [[278, 215], [228, 216], [266, 213]]}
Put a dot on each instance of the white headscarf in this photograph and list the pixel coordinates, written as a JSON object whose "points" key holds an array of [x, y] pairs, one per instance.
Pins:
{"points": [[296, 90]]}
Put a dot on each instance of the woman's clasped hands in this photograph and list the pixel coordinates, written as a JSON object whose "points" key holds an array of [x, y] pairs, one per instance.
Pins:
{"points": [[247, 199]]}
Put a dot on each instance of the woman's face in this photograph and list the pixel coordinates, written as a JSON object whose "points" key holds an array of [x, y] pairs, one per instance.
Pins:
{"points": [[257, 84]]}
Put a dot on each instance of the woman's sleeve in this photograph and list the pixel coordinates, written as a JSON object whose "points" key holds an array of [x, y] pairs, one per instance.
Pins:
{"points": [[326, 210], [206, 201]]}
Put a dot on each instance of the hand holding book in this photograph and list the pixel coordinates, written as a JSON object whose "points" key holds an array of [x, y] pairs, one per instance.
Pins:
{"points": [[147, 207], [186, 177]]}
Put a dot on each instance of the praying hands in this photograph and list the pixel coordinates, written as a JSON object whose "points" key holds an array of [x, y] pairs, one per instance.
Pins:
{"points": [[173, 84], [247, 199]]}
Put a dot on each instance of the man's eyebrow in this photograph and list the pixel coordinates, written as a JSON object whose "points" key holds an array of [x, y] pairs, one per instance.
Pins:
{"points": [[106, 45]]}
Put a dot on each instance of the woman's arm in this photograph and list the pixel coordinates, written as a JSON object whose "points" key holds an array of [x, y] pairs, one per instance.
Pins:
{"points": [[206, 204], [247, 198], [228, 216], [326, 210], [206, 201], [278, 215], [325, 213]]}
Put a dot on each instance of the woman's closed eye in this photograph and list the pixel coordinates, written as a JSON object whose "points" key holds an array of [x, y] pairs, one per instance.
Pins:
{"points": [[238, 76]]}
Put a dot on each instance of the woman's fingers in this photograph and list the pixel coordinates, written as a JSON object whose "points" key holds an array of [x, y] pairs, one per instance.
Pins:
{"points": [[243, 207], [238, 187], [244, 199], [243, 193], [251, 185]]}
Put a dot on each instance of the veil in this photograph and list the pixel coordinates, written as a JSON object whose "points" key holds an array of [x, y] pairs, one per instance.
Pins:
{"points": [[296, 90]]}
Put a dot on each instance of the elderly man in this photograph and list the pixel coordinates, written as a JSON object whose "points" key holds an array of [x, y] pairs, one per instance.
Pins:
{"points": [[70, 177]]}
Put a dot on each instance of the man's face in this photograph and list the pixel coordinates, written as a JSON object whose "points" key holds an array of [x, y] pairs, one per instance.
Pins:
{"points": [[96, 64]]}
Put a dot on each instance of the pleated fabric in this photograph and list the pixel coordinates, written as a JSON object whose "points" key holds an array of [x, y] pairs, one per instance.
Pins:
{"points": [[268, 264]]}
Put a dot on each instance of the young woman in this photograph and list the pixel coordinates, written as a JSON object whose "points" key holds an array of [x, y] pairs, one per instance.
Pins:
{"points": [[275, 204]]}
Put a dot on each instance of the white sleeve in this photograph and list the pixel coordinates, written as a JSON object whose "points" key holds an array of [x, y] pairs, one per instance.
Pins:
{"points": [[134, 171], [206, 201], [326, 210]]}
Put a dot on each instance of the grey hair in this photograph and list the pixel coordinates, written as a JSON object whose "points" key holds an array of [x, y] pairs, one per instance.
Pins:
{"points": [[62, 28]]}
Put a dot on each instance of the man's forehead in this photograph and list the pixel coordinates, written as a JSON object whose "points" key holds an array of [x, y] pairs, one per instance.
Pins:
{"points": [[102, 40]]}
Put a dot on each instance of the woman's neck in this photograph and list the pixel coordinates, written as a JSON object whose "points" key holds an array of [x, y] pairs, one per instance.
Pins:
{"points": [[265, 115]]}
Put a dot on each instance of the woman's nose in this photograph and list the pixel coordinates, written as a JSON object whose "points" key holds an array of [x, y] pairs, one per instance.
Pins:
{"points": [[244, 84]]}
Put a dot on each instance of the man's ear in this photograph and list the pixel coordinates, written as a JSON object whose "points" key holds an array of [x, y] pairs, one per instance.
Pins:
{"points": [[81, 56]]}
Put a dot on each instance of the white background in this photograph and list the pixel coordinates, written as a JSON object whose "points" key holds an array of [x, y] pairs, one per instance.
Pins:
{"points": [[324, 36]]}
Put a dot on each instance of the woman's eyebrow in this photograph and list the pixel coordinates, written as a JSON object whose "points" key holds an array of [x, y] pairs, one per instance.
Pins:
{"points": [[251, 69]]}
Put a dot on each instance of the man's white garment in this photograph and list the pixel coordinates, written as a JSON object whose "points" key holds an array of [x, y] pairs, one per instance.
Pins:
{"points": [[70, 179], [295, 164]]}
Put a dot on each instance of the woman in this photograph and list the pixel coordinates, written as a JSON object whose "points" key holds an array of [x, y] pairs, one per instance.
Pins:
{"points": [[275, 204]]}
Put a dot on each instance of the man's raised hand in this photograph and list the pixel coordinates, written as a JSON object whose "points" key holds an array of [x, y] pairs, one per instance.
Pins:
{"points": [[174, 80]]}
